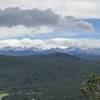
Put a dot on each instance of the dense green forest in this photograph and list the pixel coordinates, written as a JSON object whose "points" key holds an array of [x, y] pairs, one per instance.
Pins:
{"points": [[44, 77]]}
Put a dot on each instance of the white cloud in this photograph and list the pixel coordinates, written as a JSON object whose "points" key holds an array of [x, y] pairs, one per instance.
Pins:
{"points": [[16, 29], [77, 8], [20, 31], [14, 32], [51, 43], [61, 8]]}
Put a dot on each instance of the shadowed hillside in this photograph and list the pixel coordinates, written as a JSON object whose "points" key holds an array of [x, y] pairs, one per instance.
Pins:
{"points": [[44, 77]]}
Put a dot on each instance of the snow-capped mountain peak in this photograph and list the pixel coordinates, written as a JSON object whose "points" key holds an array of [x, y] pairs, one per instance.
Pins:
{"points": [[20, 51]]}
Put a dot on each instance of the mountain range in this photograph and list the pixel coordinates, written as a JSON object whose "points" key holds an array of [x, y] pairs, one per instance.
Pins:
{"points": [[89, 53]]}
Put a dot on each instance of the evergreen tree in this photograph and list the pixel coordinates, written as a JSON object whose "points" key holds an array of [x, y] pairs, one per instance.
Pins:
{"points": [[91, 88]]}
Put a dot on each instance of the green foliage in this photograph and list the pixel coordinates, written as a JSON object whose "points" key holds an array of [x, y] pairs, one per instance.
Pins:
{"points": [[3, 94], [91, 88]]}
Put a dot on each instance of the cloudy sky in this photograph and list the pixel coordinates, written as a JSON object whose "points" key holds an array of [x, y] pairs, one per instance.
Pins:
{"points": [[50, 23]]}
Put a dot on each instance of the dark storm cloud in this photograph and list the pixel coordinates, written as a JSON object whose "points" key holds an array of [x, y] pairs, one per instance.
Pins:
{"points": [[15, 16], [37, 18]]}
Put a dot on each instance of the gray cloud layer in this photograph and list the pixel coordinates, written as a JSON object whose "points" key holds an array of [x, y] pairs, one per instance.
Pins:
{"points": [[34, 17], [37, 18], [77, 8]]}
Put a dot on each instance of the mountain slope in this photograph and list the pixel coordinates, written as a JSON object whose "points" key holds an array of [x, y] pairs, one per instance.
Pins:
{"points": [[48, 77]]}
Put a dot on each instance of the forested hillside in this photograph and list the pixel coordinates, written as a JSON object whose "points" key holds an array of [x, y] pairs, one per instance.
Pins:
{"points": [[44, 77]]}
